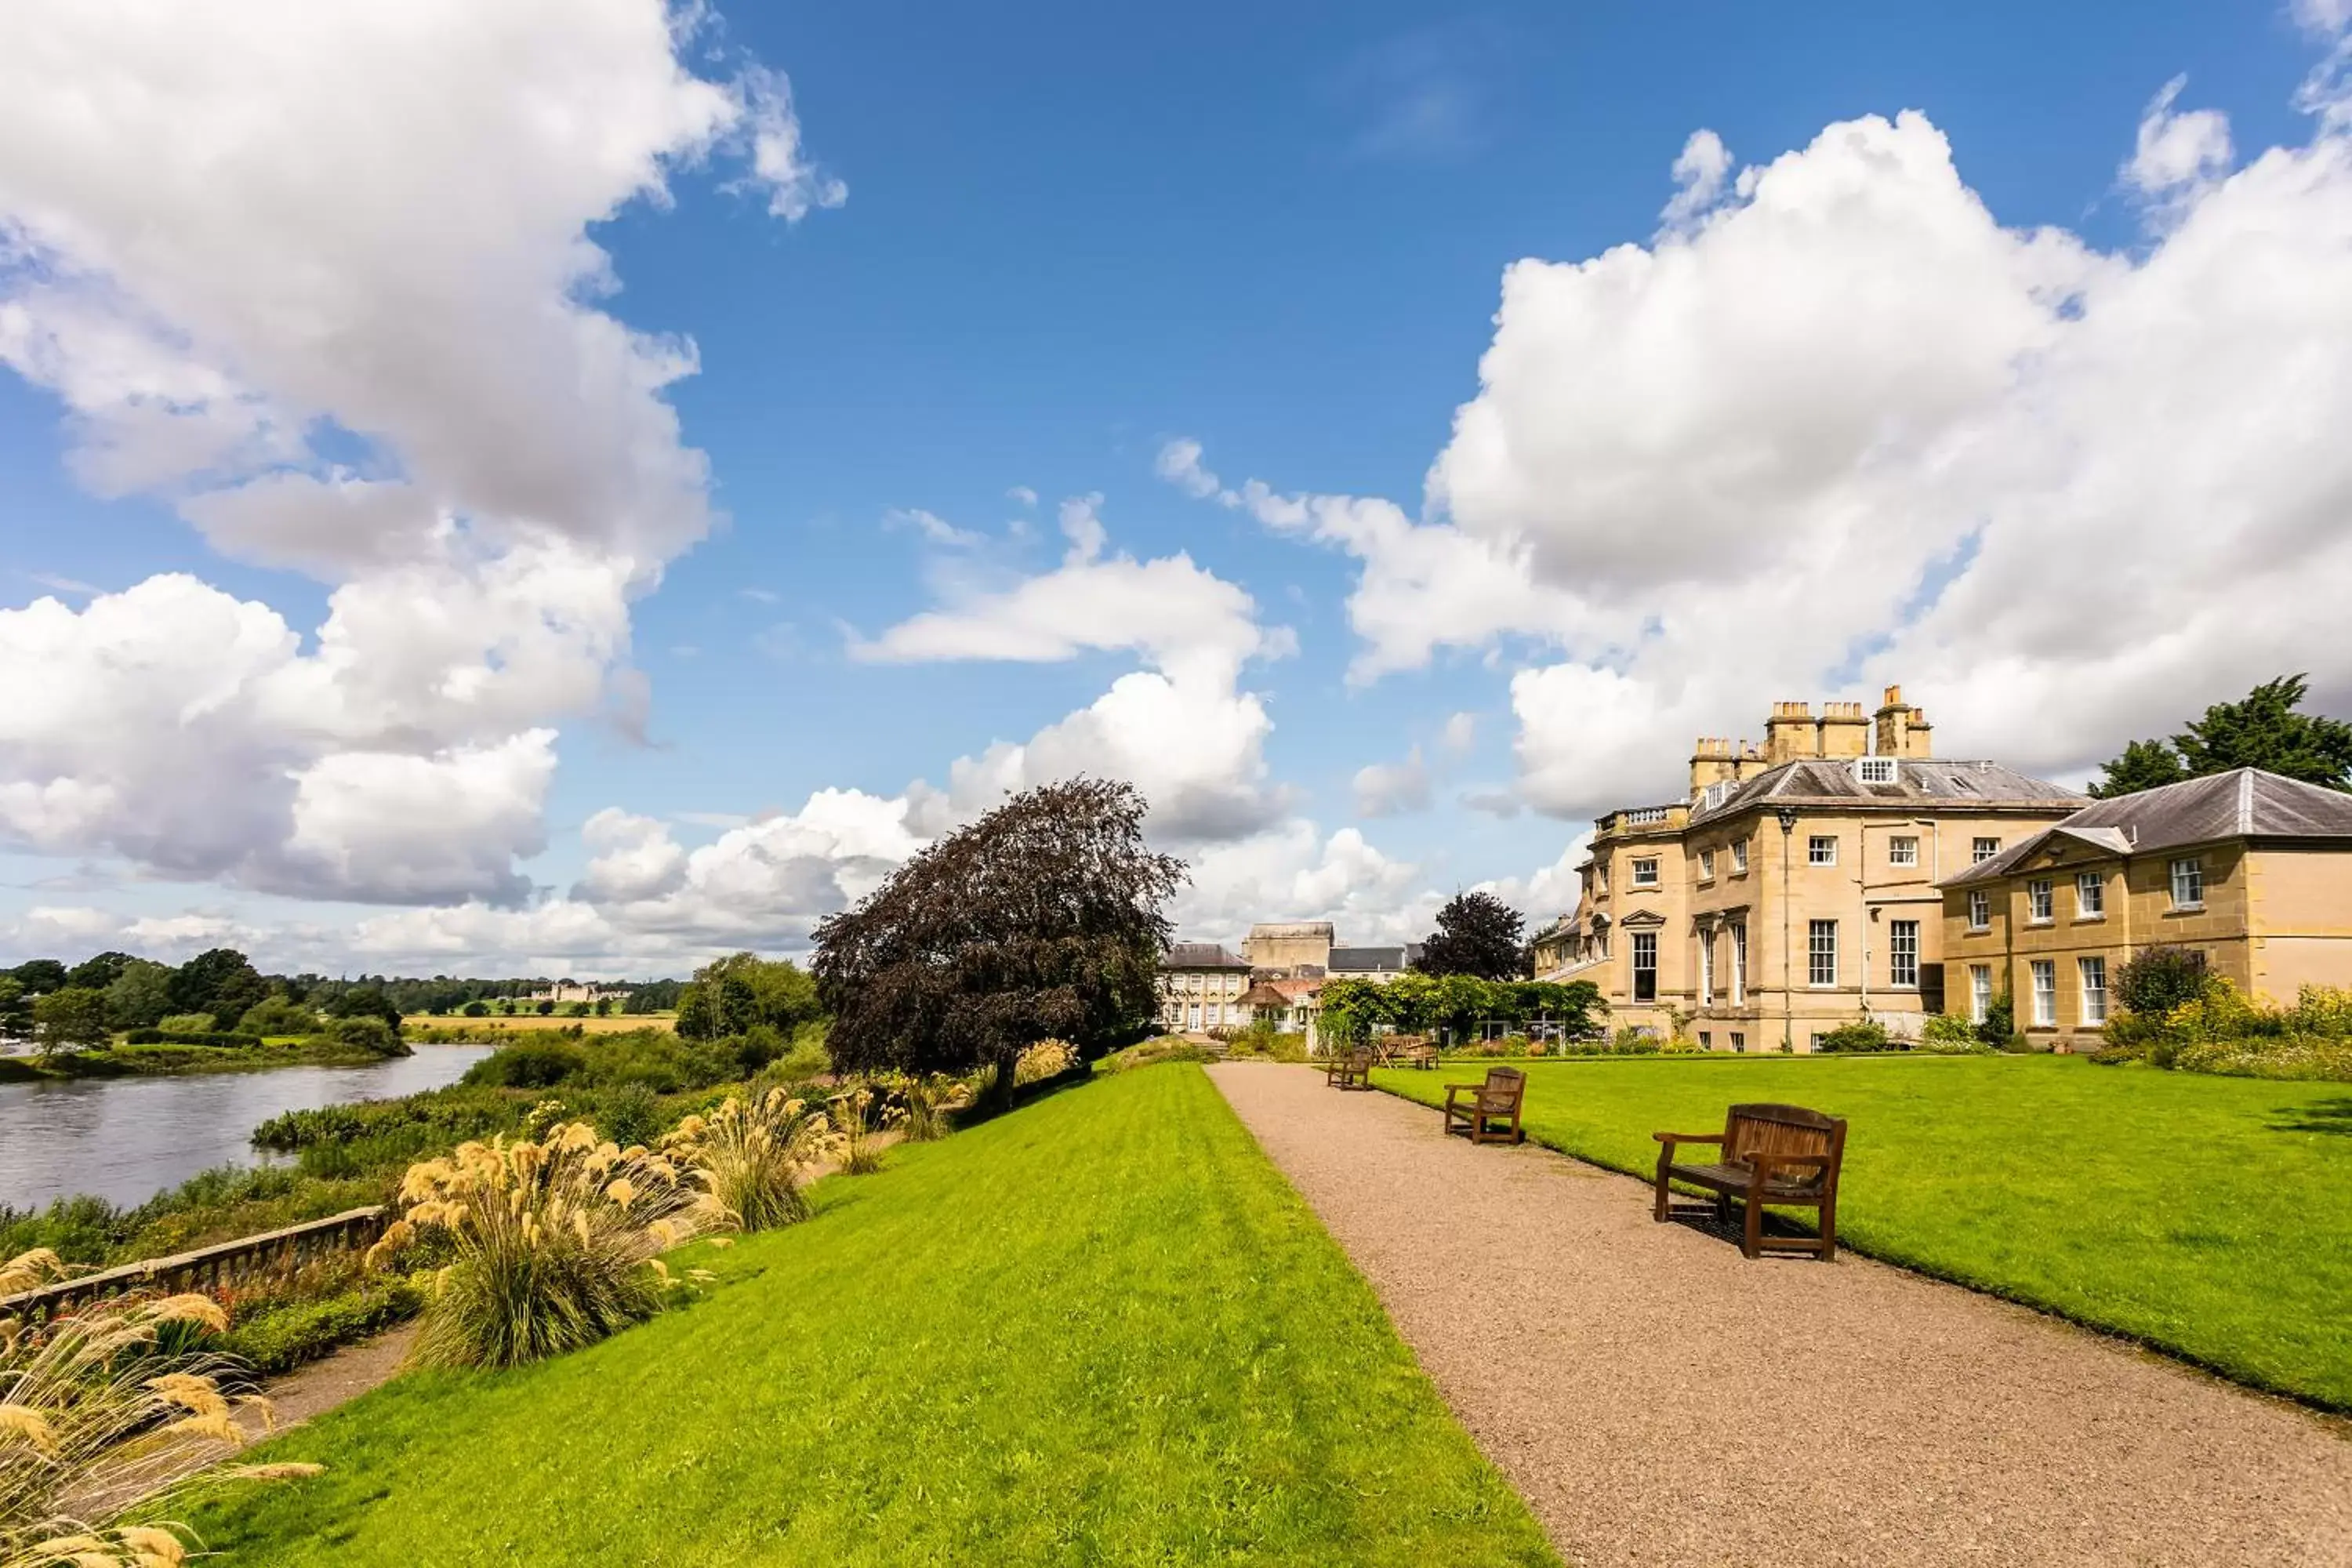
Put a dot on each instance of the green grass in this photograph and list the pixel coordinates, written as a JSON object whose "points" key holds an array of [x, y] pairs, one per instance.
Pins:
{"points": [[1100, 1330], [2211, 1217]]}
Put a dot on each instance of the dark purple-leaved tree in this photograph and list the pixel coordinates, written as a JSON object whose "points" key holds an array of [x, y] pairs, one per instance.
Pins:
{"points": [[1040, 920]]}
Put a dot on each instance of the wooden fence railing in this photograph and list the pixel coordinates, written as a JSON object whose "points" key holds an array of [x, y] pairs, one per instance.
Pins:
{"points": [[223, 1263]]}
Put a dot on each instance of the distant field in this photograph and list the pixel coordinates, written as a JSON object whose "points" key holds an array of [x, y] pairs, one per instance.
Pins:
{"points": [[531, 1020]]}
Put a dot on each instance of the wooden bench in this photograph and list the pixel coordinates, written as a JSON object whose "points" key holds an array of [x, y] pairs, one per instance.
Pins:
{"points": [[1781, 1154], [1408, 1051], [1489, 1105], [1348, 1069]]}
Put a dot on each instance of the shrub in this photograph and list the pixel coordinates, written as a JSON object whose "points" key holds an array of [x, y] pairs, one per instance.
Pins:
{"points": [[1163, 1049], [1999, 1022], [276, 1337], [1631, 1041], [366, 1032], [476, 1009], [751, 1153], [2155, 980], [1949, 1034], [187, 1023], [1862, 1034], [279, 1016], [532, 1064], [554, 1244], [86, 1397], [631, 1116]]}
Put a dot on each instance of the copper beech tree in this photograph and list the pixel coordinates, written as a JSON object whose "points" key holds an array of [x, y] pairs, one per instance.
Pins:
{"points": [[1040, 920]]}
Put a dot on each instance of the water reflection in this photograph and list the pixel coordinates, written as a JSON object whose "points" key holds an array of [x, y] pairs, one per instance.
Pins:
{"points": [[127, 1138]]}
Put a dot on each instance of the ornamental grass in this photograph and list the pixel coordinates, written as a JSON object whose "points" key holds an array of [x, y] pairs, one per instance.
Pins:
{"points": [[926, 1103], [857, 1119], [751, 1153], [553, 1244], [97, 1412]]}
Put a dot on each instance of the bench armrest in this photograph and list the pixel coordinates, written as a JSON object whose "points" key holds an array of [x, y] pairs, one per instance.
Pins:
{"points": [[1672, 1138], [1456, 1090]]}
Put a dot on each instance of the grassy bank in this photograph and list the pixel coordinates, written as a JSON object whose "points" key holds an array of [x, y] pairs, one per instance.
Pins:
{"points": [[1099, 1330], [2207, 1216]]}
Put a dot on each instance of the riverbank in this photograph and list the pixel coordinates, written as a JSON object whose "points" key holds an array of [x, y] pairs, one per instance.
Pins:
{"points": [[168, 1060]]}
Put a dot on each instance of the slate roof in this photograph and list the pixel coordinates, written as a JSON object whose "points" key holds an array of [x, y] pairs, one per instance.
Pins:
{"points": [[1202, 955], [1372, 959], [1918, 781], [2245, 803]]}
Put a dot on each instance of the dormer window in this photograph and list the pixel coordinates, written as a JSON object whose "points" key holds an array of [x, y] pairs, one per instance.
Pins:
{"points": [[1874, 770]]}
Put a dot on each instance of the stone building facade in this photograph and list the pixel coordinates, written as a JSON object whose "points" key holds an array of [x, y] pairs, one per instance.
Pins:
{"points": [[1201, 986], [1793, 889], [2250, 870]]}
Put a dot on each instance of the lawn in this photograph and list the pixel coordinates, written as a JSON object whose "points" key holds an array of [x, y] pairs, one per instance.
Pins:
{"points": [[1101, 1329], [2209, 1216]]}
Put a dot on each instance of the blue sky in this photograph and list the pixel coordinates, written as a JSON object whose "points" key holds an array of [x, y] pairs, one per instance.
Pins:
{"points": [[1072, 235]]}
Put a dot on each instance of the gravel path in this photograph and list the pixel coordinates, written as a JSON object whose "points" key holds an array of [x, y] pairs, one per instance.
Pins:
{"points": [[1657, 1398]]}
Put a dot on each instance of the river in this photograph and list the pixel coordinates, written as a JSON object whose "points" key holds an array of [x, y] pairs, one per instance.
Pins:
{"points": [[127, 1138]]}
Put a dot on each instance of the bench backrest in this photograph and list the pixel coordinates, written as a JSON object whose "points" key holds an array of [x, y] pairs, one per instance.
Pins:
{"points": [[1785, 1129], [1502, 1088]]}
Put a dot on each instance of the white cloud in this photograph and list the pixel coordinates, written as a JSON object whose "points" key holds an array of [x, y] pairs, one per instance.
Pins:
{"points": [[1698, 175], [2176, 152], [931, 526], [1178, 463], [370, 351], [1389, 789], [1181, 730], [1292, 872], [1023, 494], [1461, 733], [1849, 430]]}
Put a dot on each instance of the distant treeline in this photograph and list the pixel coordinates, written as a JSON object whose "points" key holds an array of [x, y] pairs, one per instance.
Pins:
{"points": [[139, 994]]}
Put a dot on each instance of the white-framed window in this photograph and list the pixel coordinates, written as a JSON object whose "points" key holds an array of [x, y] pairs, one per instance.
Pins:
{"points": [[2089, 896], [1979, 909], [1738, 1040], [2093, 972], [1874, 770], [1716, 794], [1821, 850], [1739, 859], [1706, 865], [1739, 966], [1193, 1015], [1645, 871], [1192, 984], [2040, 901], [1705, 1041], [1903, 955], [1982, 850], [1821, 952], [1979, 992], [1706, 966], [1903, 849], [2188, 884], [2045, 992], [1600, 879], [1216, 1014], [1645, 966]]}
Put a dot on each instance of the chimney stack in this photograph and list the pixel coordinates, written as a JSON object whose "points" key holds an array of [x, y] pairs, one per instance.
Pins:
{"points": [[1790, 734], [1712, 762], [1844, 732], [1903, 730]]}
